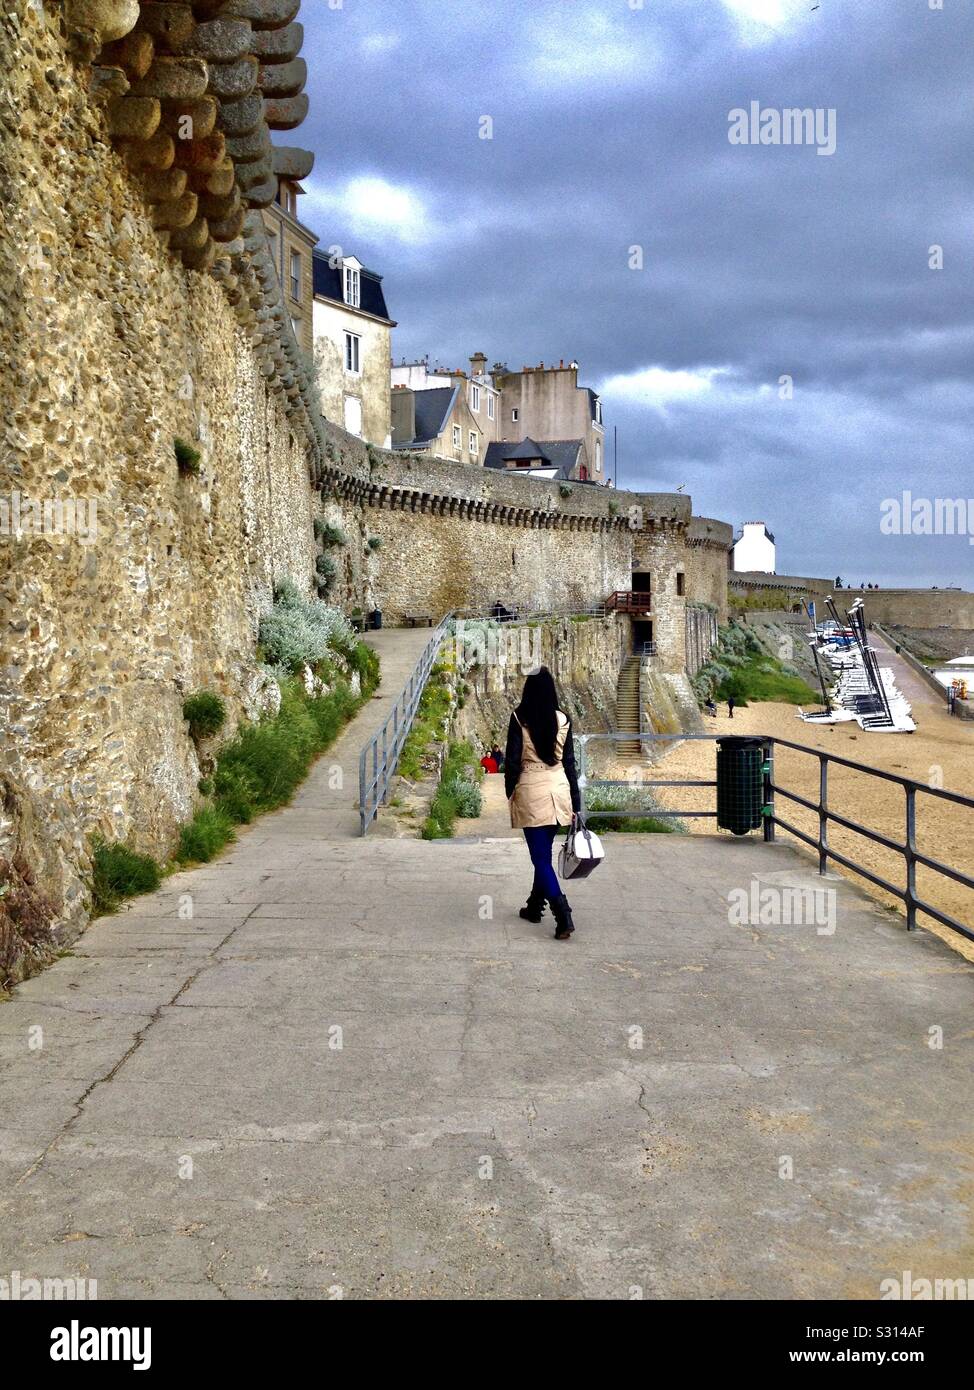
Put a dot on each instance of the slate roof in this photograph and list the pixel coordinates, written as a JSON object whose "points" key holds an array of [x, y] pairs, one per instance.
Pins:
{"points": [[432, 412], [559, 454], [328, 285]]}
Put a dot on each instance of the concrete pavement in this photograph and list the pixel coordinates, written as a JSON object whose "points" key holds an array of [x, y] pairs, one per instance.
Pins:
{"points": [[354, 1069]]}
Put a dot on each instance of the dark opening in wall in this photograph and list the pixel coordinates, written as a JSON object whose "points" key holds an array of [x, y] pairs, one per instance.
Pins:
{"points": [[680, 582]]}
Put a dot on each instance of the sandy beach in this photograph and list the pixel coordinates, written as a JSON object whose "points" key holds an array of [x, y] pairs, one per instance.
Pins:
{"points": [[939, 753]]}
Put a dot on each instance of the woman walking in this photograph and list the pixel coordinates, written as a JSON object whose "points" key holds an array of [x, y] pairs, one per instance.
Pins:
{"points": [[542, 788]]}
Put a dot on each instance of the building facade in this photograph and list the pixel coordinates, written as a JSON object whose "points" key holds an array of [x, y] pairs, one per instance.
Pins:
{"points": [[352, 346], [292, 245], [547, 403]]}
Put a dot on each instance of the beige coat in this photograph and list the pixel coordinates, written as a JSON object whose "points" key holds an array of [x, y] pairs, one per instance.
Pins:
{"points": [[542, 795]]}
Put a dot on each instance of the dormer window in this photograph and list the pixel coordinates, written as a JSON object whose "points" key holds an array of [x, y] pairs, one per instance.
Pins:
{"points": [[598, 411], [353, 286]]}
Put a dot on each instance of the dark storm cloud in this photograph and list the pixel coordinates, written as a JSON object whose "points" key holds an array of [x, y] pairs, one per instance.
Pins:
{"points": [[610, 130]]}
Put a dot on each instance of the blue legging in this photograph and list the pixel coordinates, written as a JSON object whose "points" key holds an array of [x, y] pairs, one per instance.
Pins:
{"points": [[540, 840]]}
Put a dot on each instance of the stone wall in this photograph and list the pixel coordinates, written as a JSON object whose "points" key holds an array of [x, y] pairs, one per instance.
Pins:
{"points": [[110, 351], [708, 562], [930, 608], [701, 635], [584, 657]]}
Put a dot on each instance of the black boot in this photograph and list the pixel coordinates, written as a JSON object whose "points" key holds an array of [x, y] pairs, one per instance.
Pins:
{"points": [[561, 907], [533, 909]]}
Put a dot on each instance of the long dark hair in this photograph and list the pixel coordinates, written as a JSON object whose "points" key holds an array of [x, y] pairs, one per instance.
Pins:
{"points": [[538, 711]]}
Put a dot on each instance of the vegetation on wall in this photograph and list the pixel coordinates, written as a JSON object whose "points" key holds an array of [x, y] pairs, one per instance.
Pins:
{"points": [[760, 599], [205, 713], [740, 668], [27, 940], [328, 533], [314, 655], [431, 722], [187, 458]]}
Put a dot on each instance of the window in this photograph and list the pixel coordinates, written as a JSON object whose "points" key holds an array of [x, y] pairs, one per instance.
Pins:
{"points": [[457, 437], [514, 415], [296, 275], [680, 580], [296, 325], [598, 411], [353, 415], [475, 398], [473, 441], [353, 287], [598, 456], [353, 345], [490, 407]]}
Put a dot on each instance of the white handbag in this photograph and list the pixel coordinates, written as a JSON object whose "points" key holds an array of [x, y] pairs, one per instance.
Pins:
{"points": [[581, 853]]}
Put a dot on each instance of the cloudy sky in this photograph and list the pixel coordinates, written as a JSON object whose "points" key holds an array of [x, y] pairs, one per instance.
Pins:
{"points": [[610, 126]]}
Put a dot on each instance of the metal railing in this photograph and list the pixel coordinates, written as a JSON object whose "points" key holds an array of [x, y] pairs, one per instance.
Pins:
{"points": [[911, 854], [379, 758]]}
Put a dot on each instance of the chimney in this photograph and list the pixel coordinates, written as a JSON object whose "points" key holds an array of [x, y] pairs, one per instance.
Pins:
{"points": [[478, 364]]}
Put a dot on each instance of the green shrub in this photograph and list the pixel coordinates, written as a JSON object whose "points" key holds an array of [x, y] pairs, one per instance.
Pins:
{"points": [[739, 667], [329, 534], [187, 458], [642, 804], [430, 723], [458, 794], [374, 543], [565, 489], [117, 873], [465, 796], [299, 631], [205, 713], [207, 833]]}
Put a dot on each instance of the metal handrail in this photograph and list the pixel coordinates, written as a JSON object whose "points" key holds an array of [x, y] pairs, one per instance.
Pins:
{"points": [[373, 786], [912, 855]]}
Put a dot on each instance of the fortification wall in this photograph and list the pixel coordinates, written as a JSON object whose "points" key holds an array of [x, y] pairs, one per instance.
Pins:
{"points": [[707, 563], [929, 608], [111, 350]]}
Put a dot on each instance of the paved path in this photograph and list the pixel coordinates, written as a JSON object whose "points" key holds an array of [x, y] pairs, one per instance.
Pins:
{"points": [[328, 800], [922, 697], [669, 1102]]}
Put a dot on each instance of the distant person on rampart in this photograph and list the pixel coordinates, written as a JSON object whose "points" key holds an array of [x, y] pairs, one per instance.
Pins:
{"points": [[542, 788]]}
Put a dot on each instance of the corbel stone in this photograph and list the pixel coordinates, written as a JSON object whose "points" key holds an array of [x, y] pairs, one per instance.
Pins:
{"points": [[201, 114], [179, 79], [290, 162], [170, 23], [221, 40], [193, 236], [164, 185], [255, 172], [205, 155], [200, 258], [106, 20], [216, 208], [219, 181], [175, 214], [284, 113], [108, 82], [134, 53], [284, 79], [262, 194], [244, 149], [133, 118], [278, 45], [158, 152], [265, 14], [231, 81], [243, 116]]}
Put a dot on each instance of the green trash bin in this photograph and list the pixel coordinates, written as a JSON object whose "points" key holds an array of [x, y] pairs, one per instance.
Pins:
{"points": [[740, 784]]}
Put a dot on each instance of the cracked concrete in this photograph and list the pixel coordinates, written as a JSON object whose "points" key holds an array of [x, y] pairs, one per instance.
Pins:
{"points": [[354, 1068]]}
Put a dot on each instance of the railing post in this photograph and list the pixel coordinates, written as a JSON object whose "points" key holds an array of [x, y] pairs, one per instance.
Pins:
{"points": [[768, 809], [823, 817], [385, 763], [911, 861], [361, 793]]}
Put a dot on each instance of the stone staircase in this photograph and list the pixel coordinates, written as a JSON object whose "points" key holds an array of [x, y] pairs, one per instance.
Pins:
{"points": [[627, 708]]}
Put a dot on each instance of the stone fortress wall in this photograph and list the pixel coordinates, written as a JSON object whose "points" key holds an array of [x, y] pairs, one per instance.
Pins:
{"points": [[923, 608], [126, 328]]}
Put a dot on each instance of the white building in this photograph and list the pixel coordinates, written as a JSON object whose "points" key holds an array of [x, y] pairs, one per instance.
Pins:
{"points": [[352, 338], [753, 550]]}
